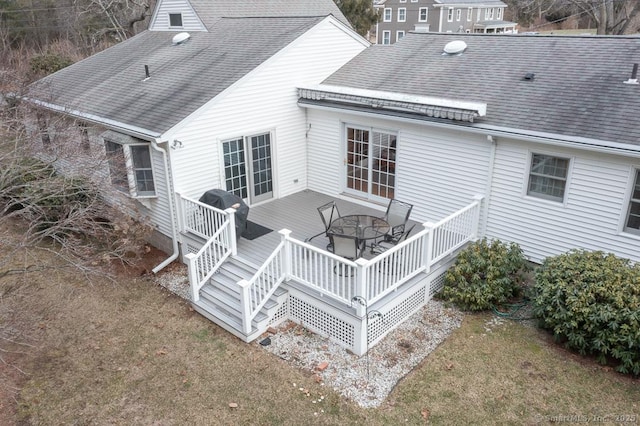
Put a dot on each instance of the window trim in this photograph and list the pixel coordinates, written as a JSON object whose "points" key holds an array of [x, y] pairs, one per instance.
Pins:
{"points": [[387, 14], [634, 180], [132, 182], [458, 15], [399, 35], [426, 14], [499, 13], [386, 32], [469, 14], [567, 180], [404, 17], [170, 14], [450, 14]]}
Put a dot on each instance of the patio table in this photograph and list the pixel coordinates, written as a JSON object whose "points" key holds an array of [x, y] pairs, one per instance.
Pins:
{"points": [[362, 226]]}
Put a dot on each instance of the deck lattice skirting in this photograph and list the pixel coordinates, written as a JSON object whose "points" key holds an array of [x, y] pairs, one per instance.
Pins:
{"points": [[328, 294]]}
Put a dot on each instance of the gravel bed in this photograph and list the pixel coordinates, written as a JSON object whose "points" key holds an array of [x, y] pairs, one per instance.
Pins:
{"points": [[367, 380]]}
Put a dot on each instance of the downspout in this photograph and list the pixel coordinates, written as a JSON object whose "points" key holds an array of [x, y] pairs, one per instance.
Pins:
{"points": [[174, 236], [487, 200]]}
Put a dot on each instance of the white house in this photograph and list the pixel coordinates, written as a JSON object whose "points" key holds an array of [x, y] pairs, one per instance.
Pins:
{"points": [[527, 139]]}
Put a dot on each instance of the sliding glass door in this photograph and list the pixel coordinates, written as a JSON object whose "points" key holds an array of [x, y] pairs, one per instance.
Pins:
{"points": [[370, 162]]}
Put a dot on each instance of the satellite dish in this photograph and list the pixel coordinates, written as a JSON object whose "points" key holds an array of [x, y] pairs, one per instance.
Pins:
{"points": [[455, 47], [181, 38]]}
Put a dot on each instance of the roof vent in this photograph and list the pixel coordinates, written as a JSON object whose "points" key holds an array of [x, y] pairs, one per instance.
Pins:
{"points": [[181, 38], [529, 76], [455, 47], [634, 75]]}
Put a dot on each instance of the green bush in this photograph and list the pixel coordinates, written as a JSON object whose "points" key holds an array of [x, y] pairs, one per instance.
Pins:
{"points": [[591, 301], [49, 63], [485, 274]]}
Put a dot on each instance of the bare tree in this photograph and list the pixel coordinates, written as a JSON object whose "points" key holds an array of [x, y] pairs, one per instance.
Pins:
{"points": [[611, 16]]}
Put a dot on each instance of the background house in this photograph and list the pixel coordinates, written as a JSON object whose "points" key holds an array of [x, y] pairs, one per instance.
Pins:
{"points": [[398, 17]]}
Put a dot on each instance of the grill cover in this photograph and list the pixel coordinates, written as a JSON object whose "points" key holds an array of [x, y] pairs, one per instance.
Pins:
{"points": [[222, 200]]}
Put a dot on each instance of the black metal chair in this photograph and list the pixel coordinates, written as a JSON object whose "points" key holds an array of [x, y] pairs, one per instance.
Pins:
{"points": [[397, 215], [346, 246], [385, 245], [328, 213]]}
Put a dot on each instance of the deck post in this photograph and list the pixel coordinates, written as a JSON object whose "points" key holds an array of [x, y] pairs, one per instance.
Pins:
{"points": [[428, 246], [361, 286], [476, 217], [245, 305], [194, 285], [286, 258], [233, 240], [361, 338]]}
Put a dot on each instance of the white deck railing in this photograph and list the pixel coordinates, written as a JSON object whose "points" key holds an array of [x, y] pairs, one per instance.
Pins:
{"points": [[339, 278], [219, 228]]}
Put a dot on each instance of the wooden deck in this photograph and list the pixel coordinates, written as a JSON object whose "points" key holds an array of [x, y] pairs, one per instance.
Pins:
{"points": [[298, 213]]}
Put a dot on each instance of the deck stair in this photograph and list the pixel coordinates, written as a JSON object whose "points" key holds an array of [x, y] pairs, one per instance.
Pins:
{"points": [[220, 300]]}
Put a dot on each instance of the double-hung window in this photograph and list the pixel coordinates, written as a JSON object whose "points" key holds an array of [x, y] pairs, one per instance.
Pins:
{"points": [[450, 15], [402, 14], [499, 14], [632, 223], [469, 14], [423, 14], [399, 35], [548, 177], [386, 37], [130, 165], [458, 14], [386, 14]]}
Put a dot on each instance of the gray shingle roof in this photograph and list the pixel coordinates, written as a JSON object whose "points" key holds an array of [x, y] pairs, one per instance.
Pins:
{"points": [[475, 3], [578, 88], [209, 10], [183, 77]]}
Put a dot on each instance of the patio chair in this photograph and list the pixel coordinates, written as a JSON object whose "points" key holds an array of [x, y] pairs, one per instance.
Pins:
{"points": [[397, 216], [328, 213], [346, 246], [383, 246]]}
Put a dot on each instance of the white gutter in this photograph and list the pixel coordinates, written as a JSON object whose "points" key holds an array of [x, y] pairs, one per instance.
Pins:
{"points": [[174, 233], [489, 186]]}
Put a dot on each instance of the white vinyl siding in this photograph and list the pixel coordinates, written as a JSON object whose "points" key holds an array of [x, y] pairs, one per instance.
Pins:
{"points": [[424, 164], [268, 95], [190, 21], [595, 205]]}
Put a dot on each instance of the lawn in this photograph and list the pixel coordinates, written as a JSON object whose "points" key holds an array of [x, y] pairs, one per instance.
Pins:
{"points": [[79, 351]]}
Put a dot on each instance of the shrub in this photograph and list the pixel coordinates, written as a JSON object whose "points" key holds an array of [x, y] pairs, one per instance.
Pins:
{"points": [[49, 63], [591, 301], [485, 274]]}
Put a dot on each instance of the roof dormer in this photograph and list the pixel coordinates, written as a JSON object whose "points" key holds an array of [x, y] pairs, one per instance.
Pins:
{"points": [[175, 15]]}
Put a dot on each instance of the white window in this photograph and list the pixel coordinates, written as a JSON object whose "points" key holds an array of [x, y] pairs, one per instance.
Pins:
{"points": [[548, 177], [399, 35], [130, 168], [423, 14], [469, 14], [458, 14], [386, 37], [633, 214], [499, 14], [175, 20], [489, 14], [450, 15], [403, 1], [414, 1], [479, 15], [486, 14], [386, 17], [402, 14]]}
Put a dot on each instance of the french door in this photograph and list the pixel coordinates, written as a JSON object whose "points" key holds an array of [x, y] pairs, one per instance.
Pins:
{"points": [[370, 162], [248, 170]]}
